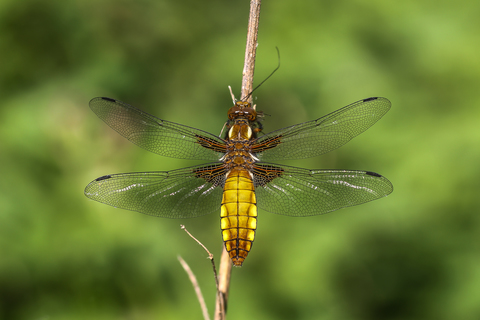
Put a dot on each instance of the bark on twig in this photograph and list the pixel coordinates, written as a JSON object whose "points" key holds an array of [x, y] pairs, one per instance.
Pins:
{"points": [[251, 49]]}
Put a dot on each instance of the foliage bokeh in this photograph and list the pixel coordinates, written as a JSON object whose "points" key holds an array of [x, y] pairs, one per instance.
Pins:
{"points": [[412, 255]]}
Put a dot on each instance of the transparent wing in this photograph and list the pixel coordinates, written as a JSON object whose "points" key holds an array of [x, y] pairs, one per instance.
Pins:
{"points": [[159, 136], [301, 192], [184, 193], [323, 135]]}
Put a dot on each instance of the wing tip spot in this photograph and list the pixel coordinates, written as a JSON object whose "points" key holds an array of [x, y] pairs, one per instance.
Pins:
{"points": [[103, 177], [374, 174], [108, 99], [370, 99]]}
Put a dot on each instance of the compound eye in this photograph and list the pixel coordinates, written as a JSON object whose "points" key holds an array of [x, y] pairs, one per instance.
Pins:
{"points": [[251, 114], [233, 112]]}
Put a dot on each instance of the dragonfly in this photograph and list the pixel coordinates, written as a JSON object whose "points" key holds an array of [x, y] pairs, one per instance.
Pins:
{"points": [[238, 179]]}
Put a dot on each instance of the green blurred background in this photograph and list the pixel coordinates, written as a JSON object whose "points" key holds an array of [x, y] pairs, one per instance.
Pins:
{"points": [[412, 255]]}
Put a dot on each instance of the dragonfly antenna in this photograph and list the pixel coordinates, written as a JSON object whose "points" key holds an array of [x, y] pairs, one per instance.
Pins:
{"points": [[271, 74]]}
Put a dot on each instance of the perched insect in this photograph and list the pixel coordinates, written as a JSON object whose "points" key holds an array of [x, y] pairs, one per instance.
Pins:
{"points": [[238, 180]]}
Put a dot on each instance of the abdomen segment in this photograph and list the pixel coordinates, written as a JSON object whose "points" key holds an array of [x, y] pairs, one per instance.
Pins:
{"points": [[238, 214]]}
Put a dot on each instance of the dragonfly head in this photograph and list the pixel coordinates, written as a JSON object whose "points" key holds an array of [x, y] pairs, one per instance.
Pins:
{"points": [[242, 110]]}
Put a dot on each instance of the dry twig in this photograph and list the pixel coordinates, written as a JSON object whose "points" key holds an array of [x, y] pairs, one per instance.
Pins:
{"points": [[210, 256], [251, 49], [198, 292]]}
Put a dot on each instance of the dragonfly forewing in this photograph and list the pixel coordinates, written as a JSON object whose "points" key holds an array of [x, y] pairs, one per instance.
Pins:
{"points": [[159, 136], [313, 138]]}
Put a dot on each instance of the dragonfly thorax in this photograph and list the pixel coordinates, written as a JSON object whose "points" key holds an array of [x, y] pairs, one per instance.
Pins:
{"points": [[240, 131], [239, 154]]}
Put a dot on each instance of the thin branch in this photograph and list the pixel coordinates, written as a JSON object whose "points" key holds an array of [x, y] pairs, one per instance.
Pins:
{"points": [[210, 256], [225, 269], [198, 292]]}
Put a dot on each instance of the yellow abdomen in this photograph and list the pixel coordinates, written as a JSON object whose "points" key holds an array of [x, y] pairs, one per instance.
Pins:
{"points": [[238, 214]]}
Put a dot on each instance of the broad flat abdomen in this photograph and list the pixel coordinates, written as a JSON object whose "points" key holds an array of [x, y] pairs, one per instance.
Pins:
{"points": [[238, 214]]}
